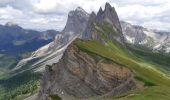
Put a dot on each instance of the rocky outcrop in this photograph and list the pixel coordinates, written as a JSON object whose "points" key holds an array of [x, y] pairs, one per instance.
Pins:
{"points": [[75, 26], [104, 26], [109, 15], [52, 52], [82, 75], [77, 21], [152, 39], [133, 34]]}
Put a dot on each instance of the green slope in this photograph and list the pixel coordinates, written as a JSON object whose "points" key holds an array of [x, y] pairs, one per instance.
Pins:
{"points": [[19, 86], [121, 56], [144, 70], [160, 60], [151, 68]]}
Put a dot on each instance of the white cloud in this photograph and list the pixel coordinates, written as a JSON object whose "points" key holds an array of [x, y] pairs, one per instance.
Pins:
{"points": [[149, 13], [46, 14], [8, 13]]}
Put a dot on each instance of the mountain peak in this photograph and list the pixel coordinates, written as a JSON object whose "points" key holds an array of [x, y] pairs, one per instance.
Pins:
{"points": [[100, 11], [106, 18], [93, 15], [10, 24], [80, 9], [77, 20], [109, 15], [108, 6]]}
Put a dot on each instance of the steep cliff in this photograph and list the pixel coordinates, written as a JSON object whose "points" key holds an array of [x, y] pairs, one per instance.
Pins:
{"points": [[82, 74], [52, 52], [104, 26], [153, 39], [75, 26], [100, 64]]}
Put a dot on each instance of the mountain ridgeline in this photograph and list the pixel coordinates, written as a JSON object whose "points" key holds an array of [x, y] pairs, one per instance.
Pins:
{"points": [[95, 57], [17, 43], [105, 21], [81, 73], [52, 52], [100, 64], [154, 40], [14, 39]]}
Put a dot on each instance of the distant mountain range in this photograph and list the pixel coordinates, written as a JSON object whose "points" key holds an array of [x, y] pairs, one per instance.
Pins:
{"points": [[14, 39], [17, 43], [153, 39]]}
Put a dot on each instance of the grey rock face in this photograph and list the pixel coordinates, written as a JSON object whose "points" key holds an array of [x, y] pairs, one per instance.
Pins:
{"points": [[76, 24], [104, 25], [152, 39], [77, 21], [109, 15], [133, 31], [74, 28], [80, 75]]}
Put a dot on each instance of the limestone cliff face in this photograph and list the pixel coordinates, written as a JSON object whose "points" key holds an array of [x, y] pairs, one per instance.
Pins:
{"points": [[104, 26], [75, 26], [77, 21], [109, 15], [81, 75]]}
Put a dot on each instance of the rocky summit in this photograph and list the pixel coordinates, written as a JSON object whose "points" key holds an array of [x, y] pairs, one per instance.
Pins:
{"points": [[77, 21], [105, 24], [76, 24]]}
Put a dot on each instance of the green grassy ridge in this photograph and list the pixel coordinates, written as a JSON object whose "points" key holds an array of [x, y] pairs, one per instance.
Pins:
{"points": [[121, 55], [160, 60], [116, 54], [152, 93]]}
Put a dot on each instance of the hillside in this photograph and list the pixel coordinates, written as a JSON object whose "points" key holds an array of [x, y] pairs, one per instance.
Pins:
{"points": [[33, 65], [16, 44], [95, 57], [102, 64]]}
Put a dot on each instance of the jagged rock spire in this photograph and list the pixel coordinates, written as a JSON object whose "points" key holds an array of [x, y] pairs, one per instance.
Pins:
{"points": [[77, 21], [108, 6], [106, 18], [110, 16]]}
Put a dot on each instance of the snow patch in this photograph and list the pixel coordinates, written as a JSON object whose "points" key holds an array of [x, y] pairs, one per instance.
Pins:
{"points": [[157, 46], [150, 34], [130, 39], [143, 42], [167, 50]]}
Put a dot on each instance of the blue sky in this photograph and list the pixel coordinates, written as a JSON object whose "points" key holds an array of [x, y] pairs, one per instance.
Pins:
{"points": [[52, 14]]}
